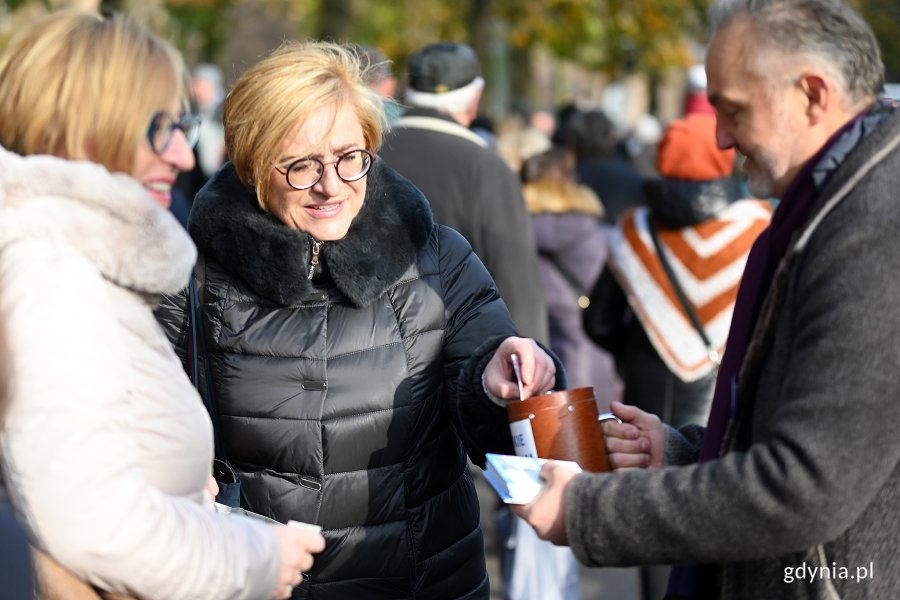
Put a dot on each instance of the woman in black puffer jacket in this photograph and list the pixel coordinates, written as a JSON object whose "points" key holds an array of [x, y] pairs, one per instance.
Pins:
{"points": [[352, 342]]}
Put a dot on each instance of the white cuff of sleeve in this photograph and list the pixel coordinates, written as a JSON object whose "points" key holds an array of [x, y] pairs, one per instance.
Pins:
{"points": [[498, 401]]}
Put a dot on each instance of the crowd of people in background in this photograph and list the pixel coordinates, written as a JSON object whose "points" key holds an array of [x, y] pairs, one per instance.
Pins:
{"points": [[253, 336]]}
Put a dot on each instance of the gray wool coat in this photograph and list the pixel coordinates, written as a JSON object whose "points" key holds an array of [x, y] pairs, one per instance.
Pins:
{"points": [[811, 476]]}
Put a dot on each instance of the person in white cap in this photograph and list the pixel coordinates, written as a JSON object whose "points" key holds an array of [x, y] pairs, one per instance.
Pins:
{"points": [[468, 186]]}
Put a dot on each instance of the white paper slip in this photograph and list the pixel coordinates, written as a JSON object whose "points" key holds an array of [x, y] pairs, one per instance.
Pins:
{"points": [[302, 525], [517, 478], [228, 510]]}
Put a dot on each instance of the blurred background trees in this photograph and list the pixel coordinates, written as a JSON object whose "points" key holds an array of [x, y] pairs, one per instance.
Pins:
{"points": [[535, 53]]}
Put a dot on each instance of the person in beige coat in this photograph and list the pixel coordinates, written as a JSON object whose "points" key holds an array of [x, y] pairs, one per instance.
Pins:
{"points": [[107, 448]]}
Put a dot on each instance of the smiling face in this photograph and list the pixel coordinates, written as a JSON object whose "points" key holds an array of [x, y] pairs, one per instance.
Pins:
{"points": [[157, 172], [325, 210], [762, 115]]}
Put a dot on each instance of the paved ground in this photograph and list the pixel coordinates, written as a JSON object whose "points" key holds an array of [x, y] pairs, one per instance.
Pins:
{"points": [[596, 584]]}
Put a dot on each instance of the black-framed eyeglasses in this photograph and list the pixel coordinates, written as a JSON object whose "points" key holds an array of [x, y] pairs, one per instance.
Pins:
{"points": [[351, 166], [163, 126]]}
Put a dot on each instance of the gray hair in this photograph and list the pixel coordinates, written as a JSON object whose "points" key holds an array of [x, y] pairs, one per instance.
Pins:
{"points": [[828, 30], [374, 65]]}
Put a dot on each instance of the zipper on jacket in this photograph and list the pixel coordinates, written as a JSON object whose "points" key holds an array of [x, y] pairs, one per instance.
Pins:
{"points": [[314, 257]]}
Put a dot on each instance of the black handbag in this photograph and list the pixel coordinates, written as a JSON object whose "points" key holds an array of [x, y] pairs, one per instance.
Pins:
{"points": [[229, 484]]}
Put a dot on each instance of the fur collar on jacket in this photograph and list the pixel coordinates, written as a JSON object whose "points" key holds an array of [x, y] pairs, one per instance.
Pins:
{"points": [[108, 217], [554, 196], [678, 203], [272, 258]]}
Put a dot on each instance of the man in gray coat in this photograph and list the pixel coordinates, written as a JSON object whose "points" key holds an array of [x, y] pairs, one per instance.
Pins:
{"points": [[792, 491], [467, 184]]}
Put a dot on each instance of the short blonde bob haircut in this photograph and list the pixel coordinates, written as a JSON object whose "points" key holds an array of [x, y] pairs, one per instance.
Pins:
{"points": [[282, 91], [83, 87]]}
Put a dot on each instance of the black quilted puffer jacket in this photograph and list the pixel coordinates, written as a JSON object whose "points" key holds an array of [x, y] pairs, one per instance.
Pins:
{"points": [[351, 400]]}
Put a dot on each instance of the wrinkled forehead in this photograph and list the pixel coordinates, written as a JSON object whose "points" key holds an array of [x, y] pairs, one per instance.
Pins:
{"points": [[328, 128], [311, 131]]}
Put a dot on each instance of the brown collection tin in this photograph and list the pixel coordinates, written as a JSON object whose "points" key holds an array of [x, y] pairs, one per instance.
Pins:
{"points": [[565, 426]]}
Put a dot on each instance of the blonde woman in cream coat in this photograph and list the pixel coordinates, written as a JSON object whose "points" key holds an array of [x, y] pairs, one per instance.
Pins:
{"points": [[107, 448]]}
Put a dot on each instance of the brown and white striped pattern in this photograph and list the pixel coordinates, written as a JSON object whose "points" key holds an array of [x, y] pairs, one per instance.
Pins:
{"points": [[708, 259]]}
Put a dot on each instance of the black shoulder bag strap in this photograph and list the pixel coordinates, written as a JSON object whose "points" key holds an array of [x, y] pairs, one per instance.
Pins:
{"points": [[711, 350], [198, 350], [229, 485], [584, 299]]}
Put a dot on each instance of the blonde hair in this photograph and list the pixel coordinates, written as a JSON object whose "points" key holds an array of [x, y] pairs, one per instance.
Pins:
{"points": [[283, 90], [83, 87]]}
